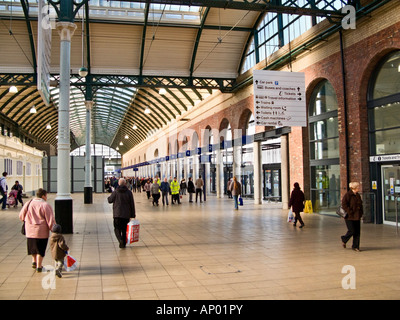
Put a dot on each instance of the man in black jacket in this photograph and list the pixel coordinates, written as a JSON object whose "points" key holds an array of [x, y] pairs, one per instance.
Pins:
{"points": [[123, 210]]}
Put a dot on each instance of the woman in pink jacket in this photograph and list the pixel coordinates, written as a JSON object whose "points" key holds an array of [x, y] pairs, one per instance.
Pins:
{"points": [[39, 220]]}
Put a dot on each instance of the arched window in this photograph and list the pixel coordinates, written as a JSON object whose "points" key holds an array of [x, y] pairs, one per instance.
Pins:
{"points": [[324, 148], [384, 107], [250, 126], [383, 101]]}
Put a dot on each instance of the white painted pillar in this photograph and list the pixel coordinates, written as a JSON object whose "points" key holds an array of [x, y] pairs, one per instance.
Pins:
{"points": [[257, 165], [285, 171], [63, 201]]}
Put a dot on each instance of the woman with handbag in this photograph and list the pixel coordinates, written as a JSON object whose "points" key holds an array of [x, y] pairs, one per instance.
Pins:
{"points": [[39, 220], [352, 204], [297, 203], [236, 190]]}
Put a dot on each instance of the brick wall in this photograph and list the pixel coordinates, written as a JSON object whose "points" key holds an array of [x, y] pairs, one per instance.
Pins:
{"points": [[364, 47]]}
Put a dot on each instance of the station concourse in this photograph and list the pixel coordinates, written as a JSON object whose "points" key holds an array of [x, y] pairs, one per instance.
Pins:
{"points": [[270, 92]]}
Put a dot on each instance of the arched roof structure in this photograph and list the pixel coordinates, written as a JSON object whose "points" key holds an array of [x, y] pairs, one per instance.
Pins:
{"points": [[132, 50]]}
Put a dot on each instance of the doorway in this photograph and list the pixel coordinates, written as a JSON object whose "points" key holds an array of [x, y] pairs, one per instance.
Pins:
{"points": [[272, 183], [390, 179]]}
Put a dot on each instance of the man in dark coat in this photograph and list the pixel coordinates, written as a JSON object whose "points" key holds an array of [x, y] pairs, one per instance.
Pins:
{"points": [[352, 204], [297, 203], [123, 210]]}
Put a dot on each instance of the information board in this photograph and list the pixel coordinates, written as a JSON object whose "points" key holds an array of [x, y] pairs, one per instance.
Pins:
{"points": [[279, 98]]}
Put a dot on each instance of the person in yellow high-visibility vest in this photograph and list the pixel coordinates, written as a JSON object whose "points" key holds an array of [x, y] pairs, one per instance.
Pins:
{"points": [[175, 187]]}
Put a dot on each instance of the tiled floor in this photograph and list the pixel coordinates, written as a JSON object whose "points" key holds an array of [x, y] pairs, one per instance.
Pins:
{"points": [[205, 251]]}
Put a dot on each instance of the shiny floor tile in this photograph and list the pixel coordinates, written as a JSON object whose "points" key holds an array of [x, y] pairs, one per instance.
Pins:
{"points": [[205, 251]]}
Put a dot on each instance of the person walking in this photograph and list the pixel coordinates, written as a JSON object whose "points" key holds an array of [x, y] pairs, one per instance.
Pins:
{"points": [[18, 187], [3, 191], [296, 202], [191, 189], [165, 190], [175, 191], [183, 186], [199, 187], [352, 204], [228, 189], [236, 190], [123, 210], [59, 248], [155, 192], [147, 187], [39, 220]]}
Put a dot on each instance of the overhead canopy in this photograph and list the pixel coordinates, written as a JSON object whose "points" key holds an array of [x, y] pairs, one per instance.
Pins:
{"points": [[132, 49]]}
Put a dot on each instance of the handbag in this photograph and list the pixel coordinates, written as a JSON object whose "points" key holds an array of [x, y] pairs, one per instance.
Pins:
{"points": [[340, 212], [23, 223]]}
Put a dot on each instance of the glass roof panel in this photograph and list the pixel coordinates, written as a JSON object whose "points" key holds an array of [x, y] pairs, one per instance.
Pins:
{"points": [[120, 10]]}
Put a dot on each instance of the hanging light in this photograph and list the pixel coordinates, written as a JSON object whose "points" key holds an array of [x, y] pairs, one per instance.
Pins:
{"points": [[33, 110], [134, 127], [121, 144], [126, 136], [13, 89], [147, 110], [117, 148], [162, 91], [48, 127], [83, 72]]}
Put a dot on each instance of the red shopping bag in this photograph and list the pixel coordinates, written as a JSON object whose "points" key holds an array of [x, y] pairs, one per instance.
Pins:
{"points": [[70, 263], [132, 231]]}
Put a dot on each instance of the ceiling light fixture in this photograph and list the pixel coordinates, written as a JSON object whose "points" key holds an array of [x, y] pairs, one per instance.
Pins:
{"points": [[13, 89], [147, 110], [134, 127], [126, 136], [48, 127], [33, 110], [83, 72], [162, 91]]}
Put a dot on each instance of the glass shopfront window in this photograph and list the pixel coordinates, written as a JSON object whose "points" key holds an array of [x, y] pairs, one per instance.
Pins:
{"points": [[325, 187], [324, 149], [384, 131]]}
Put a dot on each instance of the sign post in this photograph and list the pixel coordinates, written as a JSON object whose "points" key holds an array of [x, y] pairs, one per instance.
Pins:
{"points": [[279, 98]]}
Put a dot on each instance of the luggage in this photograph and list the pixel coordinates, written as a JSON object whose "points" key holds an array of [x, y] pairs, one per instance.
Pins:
{"points": [[240, 200], [132, 231]]}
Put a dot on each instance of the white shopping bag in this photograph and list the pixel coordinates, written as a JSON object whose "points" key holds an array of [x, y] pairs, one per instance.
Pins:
{"points": [[70, 263], [132, 231], [290, 217]]}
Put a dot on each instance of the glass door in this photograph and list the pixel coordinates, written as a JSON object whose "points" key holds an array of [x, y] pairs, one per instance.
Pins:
{"points": [[272, 184], [390, 179]]}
